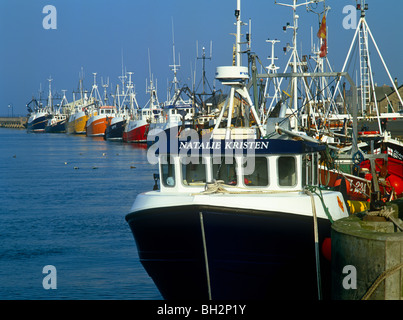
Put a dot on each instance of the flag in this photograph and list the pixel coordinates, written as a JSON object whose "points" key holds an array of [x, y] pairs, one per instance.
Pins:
{"points": [[322, 30], [322, 34]]}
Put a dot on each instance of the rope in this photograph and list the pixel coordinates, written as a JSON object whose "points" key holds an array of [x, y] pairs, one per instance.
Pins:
{"points": [[217, 186], [379, 280], [313, 189], [316, 236], [205, 255], [388, 214]]}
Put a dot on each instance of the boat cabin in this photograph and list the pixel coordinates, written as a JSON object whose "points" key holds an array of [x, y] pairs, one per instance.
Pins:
{"points": [[107, 110], [175, 113], [266, 165]]}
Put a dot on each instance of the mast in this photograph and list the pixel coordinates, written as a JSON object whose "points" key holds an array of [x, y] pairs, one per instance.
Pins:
{"points": [[151, 89], [204, 80], [94, 91], [363, 33], [235, 77], [174, 67], [50, 102], [294, 61]]}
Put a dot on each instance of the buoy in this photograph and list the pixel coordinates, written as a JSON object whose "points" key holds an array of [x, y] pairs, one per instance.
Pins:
{"points": [[357, 206], [338, 182], [327, 249], [396, 182]]}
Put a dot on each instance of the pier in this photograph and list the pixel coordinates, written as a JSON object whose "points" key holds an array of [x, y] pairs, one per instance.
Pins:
{"points": [[13, 122]]}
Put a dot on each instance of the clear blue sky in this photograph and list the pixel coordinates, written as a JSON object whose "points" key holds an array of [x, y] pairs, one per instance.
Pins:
{"points": [[93, 33]]}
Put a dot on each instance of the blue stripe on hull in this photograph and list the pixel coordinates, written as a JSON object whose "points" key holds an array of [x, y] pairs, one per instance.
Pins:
{"points": [[37, 125]]}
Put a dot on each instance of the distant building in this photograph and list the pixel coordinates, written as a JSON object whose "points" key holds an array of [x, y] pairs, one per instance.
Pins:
{"points": [[386, 98], [390, 102]]}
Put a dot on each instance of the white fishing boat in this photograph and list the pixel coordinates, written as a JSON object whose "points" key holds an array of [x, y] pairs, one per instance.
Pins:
{"points": [[138, 126], [233, 216], [38, 115], [125, 109]]}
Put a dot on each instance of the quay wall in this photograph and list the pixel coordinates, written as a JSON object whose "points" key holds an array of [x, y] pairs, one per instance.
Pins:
{"points": [[13, 122]]}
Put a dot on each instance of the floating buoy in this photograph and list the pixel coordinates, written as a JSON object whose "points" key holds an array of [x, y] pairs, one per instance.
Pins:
{"points": [[65, 163], [104, 154]]}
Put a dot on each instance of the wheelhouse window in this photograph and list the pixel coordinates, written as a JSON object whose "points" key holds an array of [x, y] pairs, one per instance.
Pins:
{"points": [[193, 171], [168, 171], [224, 168], [287, 171], [255, 170]]}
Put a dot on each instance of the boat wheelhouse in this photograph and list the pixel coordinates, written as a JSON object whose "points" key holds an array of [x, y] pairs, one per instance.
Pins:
{"points": [[235, 220], [98, 122]]}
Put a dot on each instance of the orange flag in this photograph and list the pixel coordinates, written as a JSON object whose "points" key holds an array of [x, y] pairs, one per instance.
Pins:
{"points": [[322, 34], [322, 30]]}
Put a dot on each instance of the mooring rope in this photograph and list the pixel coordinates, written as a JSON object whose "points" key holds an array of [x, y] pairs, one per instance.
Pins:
{"points": [[316, 236], [388, 214], [313, 189], [205, 255], [381, 278]]}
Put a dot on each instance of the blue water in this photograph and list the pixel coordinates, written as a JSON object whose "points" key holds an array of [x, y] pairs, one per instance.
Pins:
{"points": [[63, 200]]}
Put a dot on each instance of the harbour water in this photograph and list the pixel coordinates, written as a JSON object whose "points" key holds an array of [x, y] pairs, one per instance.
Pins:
{"points": [[63, 201]]}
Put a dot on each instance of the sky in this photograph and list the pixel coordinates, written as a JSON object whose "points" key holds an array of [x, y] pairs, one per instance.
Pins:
{"points": [[94, 35]]}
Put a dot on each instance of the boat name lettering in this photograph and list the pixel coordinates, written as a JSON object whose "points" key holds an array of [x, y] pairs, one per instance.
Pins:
{"points": [[200, 145], [228, 145]]}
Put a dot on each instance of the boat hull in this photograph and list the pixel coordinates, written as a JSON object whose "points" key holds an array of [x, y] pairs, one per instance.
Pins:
{"points": [[70, 124], [58, 127], [250, 254], [80, 122], [136, 131], [96, 126], [37, 123], [115, 130]]}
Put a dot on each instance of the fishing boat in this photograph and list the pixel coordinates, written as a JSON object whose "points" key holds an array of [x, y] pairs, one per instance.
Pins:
{"points": [[177, 113], [38, 117], [100, 120], [70, 123], [138, 126], [56, 123], [215, 231], [375, 167], [82, 109], [58, 119], [234, 216], [125, 109], [37, 120]]}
